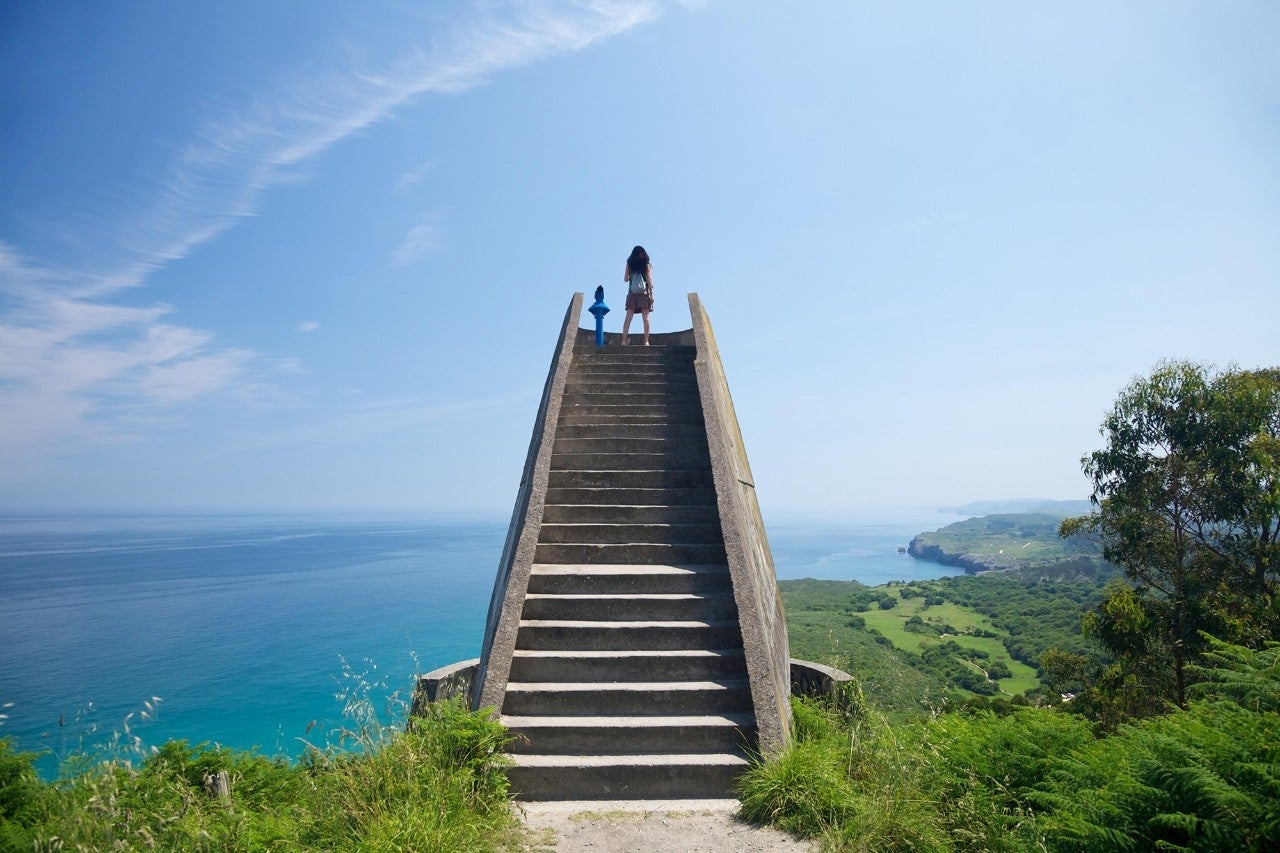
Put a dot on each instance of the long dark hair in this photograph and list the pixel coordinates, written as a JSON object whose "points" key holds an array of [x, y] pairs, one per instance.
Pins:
{"points": [[638, 262]]}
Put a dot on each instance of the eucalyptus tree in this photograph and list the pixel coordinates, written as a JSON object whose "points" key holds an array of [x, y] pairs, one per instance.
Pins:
{"points": [[1186, 493]]}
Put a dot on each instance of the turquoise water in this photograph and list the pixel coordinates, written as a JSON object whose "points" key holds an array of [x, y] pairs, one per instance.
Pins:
{"points": [[248, 628]]}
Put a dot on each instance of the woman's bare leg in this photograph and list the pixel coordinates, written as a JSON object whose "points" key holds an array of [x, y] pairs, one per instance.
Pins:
{"points": [[626, 324], [645, 316]]}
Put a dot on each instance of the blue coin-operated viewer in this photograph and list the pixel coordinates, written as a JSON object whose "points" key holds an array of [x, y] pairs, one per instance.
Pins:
{"points": [[598, 310]]}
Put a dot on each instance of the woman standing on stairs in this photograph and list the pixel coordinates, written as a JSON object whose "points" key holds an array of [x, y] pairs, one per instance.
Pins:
{"points": [[639, 279]]}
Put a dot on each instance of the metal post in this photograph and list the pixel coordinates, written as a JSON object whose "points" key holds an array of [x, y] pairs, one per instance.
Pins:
{"points": [[599, 309]]}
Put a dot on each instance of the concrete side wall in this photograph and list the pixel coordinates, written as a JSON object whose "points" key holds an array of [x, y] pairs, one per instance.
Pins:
{"points": [[815, 679], [755, 585], [456, 679], [512, 581]]}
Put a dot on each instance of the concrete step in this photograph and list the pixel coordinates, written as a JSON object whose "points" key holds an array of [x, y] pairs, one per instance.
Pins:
{"points": [[674, 410], [650, 389], [621, 457], [633, 355], [572, 634], [631, 607], [671, 459], [617, 444], [630, 497], [615, 397], [661, 343], [655, 479], [649, 665], [649, 429], [630, 552], [634, 698], [622, 534], [626, 377], [706, 513], [639, 735], [612, 380], [625, 777], [617, 579], [651, 416]]}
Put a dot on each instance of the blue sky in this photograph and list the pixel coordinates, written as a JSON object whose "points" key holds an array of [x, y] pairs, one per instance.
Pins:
{"points": [[314, 255]]}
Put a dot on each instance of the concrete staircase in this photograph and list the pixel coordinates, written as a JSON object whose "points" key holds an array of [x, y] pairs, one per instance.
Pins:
{"points": [[628, 679]]}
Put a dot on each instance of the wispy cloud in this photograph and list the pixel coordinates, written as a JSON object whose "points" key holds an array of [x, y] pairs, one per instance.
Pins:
{"points": [[65, 357], [71, 353], [423, 239], [414, 175]]}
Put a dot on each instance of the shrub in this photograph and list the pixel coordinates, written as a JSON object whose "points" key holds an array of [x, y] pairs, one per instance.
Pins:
{"points": [[22, 798]]}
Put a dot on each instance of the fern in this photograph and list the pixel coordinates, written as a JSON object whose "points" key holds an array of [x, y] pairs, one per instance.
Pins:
{"points": [[1248, 677]]}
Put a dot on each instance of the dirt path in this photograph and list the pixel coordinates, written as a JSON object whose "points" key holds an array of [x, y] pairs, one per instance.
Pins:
{"points": [[682, 826]]}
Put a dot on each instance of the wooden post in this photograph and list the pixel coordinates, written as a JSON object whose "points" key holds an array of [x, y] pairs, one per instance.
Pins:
{"points": [[218, 785]]}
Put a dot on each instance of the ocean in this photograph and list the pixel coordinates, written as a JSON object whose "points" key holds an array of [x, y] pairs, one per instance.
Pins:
{"points": [[247, 630]]}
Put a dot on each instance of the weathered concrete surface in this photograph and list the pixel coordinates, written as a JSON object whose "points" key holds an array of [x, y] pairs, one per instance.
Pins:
{"points": [[814, 679], [672, 826], [456, 679], [512, 580], [755, 584]]}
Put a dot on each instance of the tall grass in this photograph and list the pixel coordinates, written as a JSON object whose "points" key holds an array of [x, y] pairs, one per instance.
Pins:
{"points": [[849, 779], [437, 783]]}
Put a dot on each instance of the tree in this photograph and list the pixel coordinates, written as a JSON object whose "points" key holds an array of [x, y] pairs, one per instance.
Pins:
{"points": [[1244, 498], [1187, 502], [1064, 672]]}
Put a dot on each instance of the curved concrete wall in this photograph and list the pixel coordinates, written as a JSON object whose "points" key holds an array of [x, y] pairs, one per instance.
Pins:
{"points": [[512, 581], [755, 585]]}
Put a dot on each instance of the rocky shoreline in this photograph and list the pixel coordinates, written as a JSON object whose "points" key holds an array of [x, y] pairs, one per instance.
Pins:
{"points": [[971, 563]]}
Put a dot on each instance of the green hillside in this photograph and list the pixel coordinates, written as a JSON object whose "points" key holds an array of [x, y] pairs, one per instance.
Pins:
{"points": [[820, 629], [1007, 541], [915, 645]]}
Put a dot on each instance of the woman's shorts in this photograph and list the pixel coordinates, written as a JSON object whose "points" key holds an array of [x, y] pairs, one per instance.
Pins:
{"points": [[639, 302]]}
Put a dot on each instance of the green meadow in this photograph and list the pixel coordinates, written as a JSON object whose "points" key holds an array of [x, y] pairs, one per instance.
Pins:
{"points": [[895, 639], [967, 625]]}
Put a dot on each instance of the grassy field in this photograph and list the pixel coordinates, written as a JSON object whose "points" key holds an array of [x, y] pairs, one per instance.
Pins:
{"points": [[823, 627], [892, 623], [818, 630]]}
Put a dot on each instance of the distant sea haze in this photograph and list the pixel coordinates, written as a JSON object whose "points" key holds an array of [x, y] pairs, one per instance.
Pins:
{"points": [[249, 629]]}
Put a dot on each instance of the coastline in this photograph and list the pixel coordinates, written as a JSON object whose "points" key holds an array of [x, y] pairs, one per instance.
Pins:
{"points": [[971, 563]]}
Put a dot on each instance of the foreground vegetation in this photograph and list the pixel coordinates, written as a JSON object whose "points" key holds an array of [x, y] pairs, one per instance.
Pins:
{"points": [[440, 785], [1206, 777]]}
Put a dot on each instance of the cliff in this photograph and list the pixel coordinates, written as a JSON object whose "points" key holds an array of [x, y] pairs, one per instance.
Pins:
{"points": [[922, 549], [1001, 542]]}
